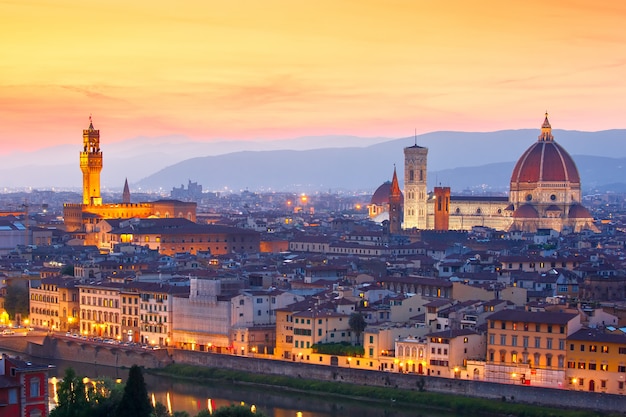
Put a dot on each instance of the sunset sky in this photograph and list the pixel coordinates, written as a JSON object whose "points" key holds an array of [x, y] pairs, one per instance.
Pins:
{"points": [[272, 69]]}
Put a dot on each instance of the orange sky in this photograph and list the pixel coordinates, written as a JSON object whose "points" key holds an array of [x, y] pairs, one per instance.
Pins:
{"points": [[238, 69]]}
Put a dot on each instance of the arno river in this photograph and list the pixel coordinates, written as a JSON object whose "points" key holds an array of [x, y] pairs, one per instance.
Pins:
{"points": [[192, 397]]}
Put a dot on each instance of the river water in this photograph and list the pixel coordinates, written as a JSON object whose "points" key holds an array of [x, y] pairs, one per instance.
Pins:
{"points": [[180, 395]]}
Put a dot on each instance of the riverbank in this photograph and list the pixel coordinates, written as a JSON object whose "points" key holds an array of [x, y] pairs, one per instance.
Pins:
{"points": [[406, 398], [453, 394]]}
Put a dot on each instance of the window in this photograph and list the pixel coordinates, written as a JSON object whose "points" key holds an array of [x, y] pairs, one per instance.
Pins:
{"points": [[605, 349], [537, 328], [593, 348], [514, 341], [537, 342], [492, 339], [592, 366], [503, 325], [371, 339], [582, 365], [525, 341], [621, 368], [13, 396], [549, 328], [622, 351], [34, 387], [548, 343], [571, 364], [604, 367], [582, 348], [503, 339]]}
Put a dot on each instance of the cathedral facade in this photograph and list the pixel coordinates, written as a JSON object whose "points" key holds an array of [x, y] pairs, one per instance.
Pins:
{"points": [[545, 193], [84, 217]]}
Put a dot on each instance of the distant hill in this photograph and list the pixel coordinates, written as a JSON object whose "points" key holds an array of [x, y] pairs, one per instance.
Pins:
{"points": [[474, 161]]}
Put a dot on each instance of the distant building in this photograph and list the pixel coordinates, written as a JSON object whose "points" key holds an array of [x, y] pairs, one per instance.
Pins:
{"points": [[192, 193]]}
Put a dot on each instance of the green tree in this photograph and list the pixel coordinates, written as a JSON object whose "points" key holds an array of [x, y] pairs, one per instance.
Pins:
{"points": [[68, 270], [135, 401], [160, 410], [16, 301], [72, 397], [357, 325]]}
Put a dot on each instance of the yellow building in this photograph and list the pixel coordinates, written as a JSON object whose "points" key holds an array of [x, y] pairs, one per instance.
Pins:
{"points": [[298, 328], [528, 348], [596, 361], [54, 304]]}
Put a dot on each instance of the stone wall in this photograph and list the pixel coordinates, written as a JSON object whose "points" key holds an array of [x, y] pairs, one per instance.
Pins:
{"points": [[480, 389], [86, 352]]}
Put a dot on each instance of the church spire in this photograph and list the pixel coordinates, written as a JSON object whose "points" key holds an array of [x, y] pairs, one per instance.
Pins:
{"points": [[546, 131], [395, 187], [126, 193]]}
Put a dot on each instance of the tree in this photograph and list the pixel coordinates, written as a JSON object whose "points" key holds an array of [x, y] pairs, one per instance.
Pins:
{"points": [[357, 325], [68, 270], [135, 401], [16, 301], [72, 397]]}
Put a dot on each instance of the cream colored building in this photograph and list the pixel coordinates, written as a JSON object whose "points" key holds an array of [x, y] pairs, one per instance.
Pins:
{"points": [[54, 304], [100, 310]]}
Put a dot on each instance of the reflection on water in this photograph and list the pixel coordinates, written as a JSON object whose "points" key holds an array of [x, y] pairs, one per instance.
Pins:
{"points": [[178, 395]]}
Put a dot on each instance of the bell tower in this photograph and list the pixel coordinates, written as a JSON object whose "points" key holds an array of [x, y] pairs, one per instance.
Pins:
{"points": [[91, 166], [415, 192]]}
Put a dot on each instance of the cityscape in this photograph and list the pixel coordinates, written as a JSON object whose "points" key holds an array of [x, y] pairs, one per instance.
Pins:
{"points": [[412, 196], [520, 290]]}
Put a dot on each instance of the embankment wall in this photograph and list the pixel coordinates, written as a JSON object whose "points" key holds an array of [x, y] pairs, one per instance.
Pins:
{"points": [[469, 388], [86, 352]]}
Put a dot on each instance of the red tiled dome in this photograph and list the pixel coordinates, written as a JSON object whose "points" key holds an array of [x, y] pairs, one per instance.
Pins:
{"points": [[577, 211], [526, 212], [545, 160], [381, 195]]}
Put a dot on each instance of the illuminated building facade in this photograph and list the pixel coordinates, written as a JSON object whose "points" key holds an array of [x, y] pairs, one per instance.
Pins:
{"points": [[54, 304], [529, 348], [84, 217]]}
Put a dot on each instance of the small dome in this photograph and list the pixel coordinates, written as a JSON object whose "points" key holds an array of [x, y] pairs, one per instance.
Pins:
{"points": [[526, 212], [381, 195], [577, 211]]}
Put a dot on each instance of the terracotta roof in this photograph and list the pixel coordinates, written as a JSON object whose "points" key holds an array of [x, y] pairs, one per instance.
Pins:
{"points": [[545, 160], [526, 211]]}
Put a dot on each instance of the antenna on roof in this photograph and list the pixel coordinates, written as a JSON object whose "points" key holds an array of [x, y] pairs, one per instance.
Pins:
{"points": [[415, 136]]}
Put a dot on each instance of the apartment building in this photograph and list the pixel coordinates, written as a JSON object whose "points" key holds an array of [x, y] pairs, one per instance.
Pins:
{"points": [[596, 361], [529, 348], [54, 304]]}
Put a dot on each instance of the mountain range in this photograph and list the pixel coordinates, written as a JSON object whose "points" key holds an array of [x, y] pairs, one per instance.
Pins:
{"points": [[476, 161]]}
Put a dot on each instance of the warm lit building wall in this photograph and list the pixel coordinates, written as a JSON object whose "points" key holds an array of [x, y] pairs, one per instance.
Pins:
{"points": [[100, 309], [528, 347], [54, 304], [130, 315], [596, 361]]}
